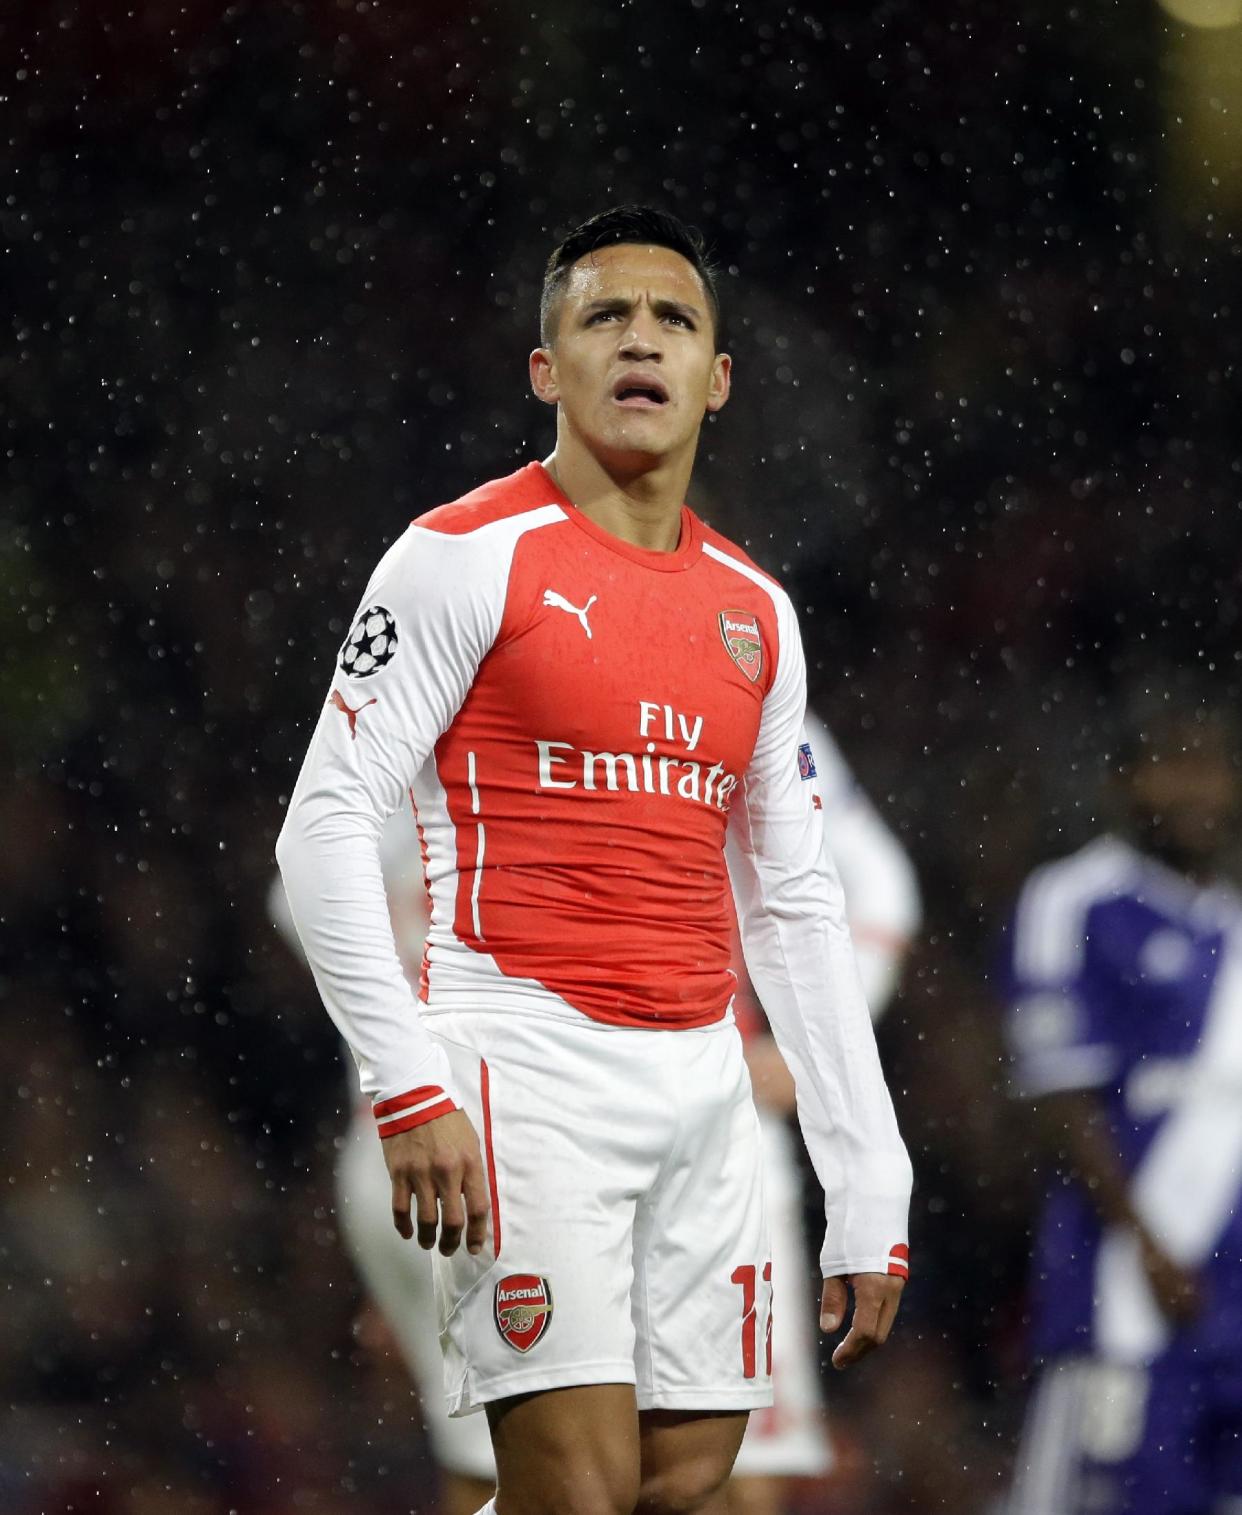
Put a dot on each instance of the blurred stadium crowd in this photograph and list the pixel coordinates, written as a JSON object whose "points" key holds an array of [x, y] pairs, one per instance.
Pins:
{"points": [[272, 276]]}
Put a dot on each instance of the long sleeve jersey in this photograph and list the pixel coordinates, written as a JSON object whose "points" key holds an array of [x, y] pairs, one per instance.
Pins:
{"points": [[575, 722]]}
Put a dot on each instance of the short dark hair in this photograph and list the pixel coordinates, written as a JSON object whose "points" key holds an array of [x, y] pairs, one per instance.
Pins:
{"points": [[1173, 712], [642, 224]]}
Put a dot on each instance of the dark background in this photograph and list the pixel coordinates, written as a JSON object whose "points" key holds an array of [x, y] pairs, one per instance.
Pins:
{"points": [[270, 274]]}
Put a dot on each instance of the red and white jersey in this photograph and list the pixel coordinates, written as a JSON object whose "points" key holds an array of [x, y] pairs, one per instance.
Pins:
{"points": [[576, 721]]}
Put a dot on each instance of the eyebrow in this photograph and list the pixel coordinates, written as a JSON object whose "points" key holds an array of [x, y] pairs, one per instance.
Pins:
{"points": [[662, 307]]}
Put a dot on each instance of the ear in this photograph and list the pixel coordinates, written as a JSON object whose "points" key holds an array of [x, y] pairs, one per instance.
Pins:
{"points": [[718, 389], [543, 375]]}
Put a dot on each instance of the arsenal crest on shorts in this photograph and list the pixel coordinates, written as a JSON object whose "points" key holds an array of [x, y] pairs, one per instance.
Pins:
{"points": [[743, 643], [523, 1309]]}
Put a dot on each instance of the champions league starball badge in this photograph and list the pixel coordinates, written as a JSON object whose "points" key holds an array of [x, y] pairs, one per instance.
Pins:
{"points": [[371, 643]]}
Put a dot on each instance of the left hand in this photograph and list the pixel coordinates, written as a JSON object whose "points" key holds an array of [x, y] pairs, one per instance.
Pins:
{"points": [[876, 1299]]}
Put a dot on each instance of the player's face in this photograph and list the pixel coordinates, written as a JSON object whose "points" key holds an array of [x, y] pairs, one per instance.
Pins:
{"points": [[1186, 801], [633, 365]]}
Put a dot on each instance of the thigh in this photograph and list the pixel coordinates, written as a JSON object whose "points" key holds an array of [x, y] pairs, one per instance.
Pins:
{"points": [[1110, 1439], [703, 1275], [686, 1456], [546, 1304], [573, 1449]]}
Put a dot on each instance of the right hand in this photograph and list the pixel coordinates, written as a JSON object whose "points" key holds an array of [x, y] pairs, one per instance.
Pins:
{"points": [[440, 1165], [1176, 1288]]}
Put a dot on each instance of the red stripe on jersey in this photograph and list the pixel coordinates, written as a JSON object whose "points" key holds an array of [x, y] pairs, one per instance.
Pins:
{"points": [[397, 1102], [899, 1261], [485, 1089], [418, 1118]]}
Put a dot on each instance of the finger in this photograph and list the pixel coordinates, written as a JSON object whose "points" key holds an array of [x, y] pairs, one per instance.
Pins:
{"points": [[452, 1211], [863, 1335], [889, 1306], [854, 1348], [477, 1208], [832, 1304], [881, 1294], [428, 1212], [884, 1317], [401, 1208]]}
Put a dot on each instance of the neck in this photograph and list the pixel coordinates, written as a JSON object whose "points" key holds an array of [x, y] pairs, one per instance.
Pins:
{"points": [[1199, 868], [641, 505]]}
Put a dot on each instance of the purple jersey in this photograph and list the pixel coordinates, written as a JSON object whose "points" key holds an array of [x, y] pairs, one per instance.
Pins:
{"points": [[1126, 979]]}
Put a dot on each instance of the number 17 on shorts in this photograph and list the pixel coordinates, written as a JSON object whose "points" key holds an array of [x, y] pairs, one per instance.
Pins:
{"points": [[744, 1276]]}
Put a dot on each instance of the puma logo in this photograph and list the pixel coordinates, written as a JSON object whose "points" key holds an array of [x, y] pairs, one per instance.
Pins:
{"points": [[559, 602], [350, 715]]}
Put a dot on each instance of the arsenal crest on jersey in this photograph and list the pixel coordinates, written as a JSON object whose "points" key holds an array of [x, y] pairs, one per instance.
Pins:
{"points": [[743, 643], [523, 1309]]}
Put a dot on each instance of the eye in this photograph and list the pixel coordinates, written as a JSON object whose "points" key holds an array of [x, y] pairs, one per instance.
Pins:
{"points": [[676, 315], [601, 315]]}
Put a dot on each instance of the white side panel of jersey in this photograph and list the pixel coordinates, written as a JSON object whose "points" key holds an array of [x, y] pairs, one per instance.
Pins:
{"points": [[791, 911], [1189, 1181]]}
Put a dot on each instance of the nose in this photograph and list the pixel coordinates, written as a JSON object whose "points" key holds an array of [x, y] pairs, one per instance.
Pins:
{"points": [[642, 340]]}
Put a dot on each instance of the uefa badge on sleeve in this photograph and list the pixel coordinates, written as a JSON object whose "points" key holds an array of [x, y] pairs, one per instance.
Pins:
{"points": [[523, 1309], [806, 762], [371, 643]]}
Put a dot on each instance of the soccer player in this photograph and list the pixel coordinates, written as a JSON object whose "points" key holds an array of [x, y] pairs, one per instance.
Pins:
{"points": [[1127, 1025], [787, 1439], [579, 686]]}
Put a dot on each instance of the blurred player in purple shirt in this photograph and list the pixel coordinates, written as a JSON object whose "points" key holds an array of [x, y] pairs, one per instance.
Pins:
{"points": [[1126, 1024]]}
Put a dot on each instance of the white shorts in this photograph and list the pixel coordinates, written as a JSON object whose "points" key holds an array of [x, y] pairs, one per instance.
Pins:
{"points": [[397, 1275], [790, 1438], [629, 1243]]}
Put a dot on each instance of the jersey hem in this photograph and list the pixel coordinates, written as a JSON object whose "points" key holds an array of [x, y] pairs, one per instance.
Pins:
{"points": [[450, 999], [569, 1015]]}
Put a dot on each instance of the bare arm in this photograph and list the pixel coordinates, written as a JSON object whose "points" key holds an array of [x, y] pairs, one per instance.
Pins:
{"points": [[1074, 1126]]}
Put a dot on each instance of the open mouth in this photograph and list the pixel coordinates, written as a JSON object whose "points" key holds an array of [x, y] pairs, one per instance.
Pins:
{"points": [[640, 394]]}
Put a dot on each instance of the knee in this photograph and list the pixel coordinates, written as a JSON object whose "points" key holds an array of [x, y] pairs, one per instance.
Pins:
{"points": [[687, 1486], [577, 1486]]}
